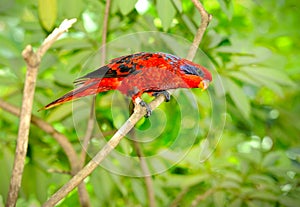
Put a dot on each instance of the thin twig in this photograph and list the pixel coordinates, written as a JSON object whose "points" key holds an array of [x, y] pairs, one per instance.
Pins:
{"points": [[59, 171], [60, 138], [32, 61], [139, 112], [202, 197], [88, 133], [179, 197], [63, 27], [64, 143], [205, 19], [82, 193], [104, 31], [84, 197], [144, 167], [145, 170]]}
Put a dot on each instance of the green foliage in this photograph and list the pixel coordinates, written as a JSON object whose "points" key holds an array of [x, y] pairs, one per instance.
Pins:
{"points": [[166, 13], [253, 46], [47, 10], [127, 7]]}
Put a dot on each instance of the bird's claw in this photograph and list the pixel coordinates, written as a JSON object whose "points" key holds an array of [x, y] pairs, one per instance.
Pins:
{"points": [[142, 103], [165, 93], [147, 107]]}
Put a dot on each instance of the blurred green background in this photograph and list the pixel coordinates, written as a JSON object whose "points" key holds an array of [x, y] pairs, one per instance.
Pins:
{"points": [[253, 46]]}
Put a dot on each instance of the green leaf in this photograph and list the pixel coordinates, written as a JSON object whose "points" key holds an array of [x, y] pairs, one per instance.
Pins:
{"points": [[120, 184], [185, 181], [229, 185], [74, 8], [251, 203], [6, 162], [270, 78], [8, 49], [213, 39], [244, 78], [260, 179], [289, 201], [253, 157], [239, 98], [274, 75], [219, 198], [47, 10], [139, 191], [189, 23], [236, 202], [160, 192], [38, 185], [227, 7], [60, 112], [178, 5], [78, 58], [271, 158], [166, 13], [126, 6], [263, 195], [271, 85], [102, 178], [233, 176], [49, 60], [64, 78], [243, 55], [174, 45], [1, 201], [72, 44]]}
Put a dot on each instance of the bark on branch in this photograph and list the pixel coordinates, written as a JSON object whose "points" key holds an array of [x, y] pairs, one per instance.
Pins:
{"points": [[32, 61], [60, 138], [205, 19]]}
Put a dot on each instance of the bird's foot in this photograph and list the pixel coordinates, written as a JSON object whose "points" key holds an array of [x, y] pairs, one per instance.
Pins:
{"points": [[145, 105], [165, 93]]}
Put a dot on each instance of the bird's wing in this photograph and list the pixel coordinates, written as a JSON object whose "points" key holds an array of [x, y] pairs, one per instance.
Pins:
{"points": [[118, 67]]}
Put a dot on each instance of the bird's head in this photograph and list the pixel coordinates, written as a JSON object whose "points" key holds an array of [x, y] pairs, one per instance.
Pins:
{"points": [[190, 68]]}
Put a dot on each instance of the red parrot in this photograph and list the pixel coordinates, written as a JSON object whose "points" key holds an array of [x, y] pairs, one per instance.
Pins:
{"points": [[135, 74]]}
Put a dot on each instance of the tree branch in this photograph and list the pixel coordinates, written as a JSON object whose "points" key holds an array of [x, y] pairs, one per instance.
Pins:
{"points": [[63, 27], [176, 201], [88, 133], [139, 112], [83, 195], [63, 141], [104, 31], [205, 19], [32, 61], [202, 197], [60, 138]]}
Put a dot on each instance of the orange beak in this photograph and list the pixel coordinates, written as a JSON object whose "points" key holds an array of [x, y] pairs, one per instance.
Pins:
{"points": [[204, 84]]}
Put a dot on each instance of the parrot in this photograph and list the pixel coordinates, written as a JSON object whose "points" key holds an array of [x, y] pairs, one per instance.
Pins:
{"points": [[144, 72]]}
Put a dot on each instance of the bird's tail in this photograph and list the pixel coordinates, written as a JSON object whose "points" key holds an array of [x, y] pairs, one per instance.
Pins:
{"points": [[87, 88]]}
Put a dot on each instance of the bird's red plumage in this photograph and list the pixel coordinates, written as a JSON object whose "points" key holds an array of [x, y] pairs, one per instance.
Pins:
{"points": [[138, 73]]}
